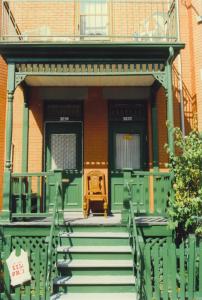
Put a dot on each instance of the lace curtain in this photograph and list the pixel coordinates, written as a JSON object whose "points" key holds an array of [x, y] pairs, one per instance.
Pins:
{"points": [[127, 151], [63, 151]]}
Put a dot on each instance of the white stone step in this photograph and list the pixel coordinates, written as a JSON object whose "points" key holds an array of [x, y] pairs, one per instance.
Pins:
{"points": [[95, 296], [94, 249], [95, 280], [85, 263], [121, 235]]}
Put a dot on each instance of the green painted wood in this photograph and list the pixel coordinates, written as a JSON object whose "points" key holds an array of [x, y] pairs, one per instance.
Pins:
{"points": [[37, 274], [191, 267], [169, 90], [7, 249], [28, 286], [173, 271], [182, 271], [200, 268], [155, 255], [139, 191], [9, 129], [162, 187], [73, 189], [30, 215], [147, 272], [165, 271]]}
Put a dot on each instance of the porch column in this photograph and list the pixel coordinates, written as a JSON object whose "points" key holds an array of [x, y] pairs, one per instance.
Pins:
{"points": [[154, 133], [25, 130], [9, 129], [169, 94]]}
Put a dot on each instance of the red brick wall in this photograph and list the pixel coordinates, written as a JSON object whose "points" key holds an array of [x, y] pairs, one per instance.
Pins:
{"points": [[190, 34], [3, 87], [95, 132]]}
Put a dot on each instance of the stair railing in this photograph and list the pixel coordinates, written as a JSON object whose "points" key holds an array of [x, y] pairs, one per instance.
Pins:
{"points": [[135, 243], [55, 222]]}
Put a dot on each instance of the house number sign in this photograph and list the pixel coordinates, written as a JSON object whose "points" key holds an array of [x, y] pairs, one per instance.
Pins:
{"points": [[127, 118], [64, 118]]}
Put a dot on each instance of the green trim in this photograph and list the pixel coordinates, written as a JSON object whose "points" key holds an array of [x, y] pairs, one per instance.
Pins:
{"points": [[170, 112], [9, 130], [136, 50]]}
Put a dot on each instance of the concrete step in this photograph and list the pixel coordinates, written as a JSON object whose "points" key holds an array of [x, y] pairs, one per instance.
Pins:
{"points": [[95, 280], [62, 263], [93, 296], [110, 235], [94, 249]]}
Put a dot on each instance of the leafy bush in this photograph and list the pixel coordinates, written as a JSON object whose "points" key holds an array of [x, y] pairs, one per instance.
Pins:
{"points": [[186, 167]]}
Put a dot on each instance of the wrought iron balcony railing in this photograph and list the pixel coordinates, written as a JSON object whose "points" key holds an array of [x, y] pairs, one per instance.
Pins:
{"points": [[99, 21]]}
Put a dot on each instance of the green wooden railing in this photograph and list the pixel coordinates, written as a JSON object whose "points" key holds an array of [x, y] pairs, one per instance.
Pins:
{"points": [[173, 272], [31, 194], [149, 191], [55, 223], [136, 242]]}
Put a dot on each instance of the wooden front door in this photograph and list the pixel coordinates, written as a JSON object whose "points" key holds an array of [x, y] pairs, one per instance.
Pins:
{"points": [[127, 148], [64, 152]]}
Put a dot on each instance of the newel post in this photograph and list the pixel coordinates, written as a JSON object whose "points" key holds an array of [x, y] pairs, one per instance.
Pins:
{"points": [[9, 129]]}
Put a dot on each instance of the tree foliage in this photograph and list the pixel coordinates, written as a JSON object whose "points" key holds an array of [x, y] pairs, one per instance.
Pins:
{"points": [[186, 167]]}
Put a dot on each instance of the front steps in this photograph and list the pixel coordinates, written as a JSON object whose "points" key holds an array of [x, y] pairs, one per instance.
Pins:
{"points": [[92, 261]]}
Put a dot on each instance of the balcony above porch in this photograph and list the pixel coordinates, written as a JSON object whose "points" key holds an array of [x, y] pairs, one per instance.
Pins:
{"points": [[89, 21]]}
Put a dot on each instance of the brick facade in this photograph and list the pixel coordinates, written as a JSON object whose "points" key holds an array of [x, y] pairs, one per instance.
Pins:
{"points": [[3, 87]]}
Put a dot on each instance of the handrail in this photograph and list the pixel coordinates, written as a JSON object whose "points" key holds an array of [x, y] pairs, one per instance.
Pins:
{"points": [[55, 222], [30, 174], [136, 250]]}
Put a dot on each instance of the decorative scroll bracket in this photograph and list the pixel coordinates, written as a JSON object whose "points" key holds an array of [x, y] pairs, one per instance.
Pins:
{"points": [[19, 78], [161, 78]]}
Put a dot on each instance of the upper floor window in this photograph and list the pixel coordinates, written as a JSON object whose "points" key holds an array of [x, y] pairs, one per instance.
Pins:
{"points": [[94, 18]]}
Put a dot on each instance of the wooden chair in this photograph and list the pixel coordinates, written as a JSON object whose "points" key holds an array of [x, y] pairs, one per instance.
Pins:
{"points": [[95, 191]]}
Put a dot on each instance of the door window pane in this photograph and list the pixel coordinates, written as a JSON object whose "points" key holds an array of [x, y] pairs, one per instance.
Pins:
{"points": [[63, 151], [127, 151]]}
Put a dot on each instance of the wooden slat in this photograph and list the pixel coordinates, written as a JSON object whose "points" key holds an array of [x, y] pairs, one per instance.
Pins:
{"points": [[200, 268], [165, 271], [28, 284], [148, 282], [155, 255], [182, 271], [38, 193], [191, 267], [37, 273]]}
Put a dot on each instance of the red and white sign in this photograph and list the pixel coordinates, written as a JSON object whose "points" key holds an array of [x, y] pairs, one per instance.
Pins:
{"points": [[18, 267]]}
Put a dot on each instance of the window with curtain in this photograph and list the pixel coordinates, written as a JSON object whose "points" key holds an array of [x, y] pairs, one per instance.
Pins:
{"points": [[63, 151], [127, 151], [94, 18]]}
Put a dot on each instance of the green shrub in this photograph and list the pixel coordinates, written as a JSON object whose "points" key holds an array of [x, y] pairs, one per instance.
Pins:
{"points": [[186, 167]]}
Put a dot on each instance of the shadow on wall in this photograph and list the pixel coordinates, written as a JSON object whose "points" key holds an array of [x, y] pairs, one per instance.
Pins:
{"points": [[189, 101]]}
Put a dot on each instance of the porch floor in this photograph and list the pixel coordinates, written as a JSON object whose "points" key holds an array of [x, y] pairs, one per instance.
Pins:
{"points": [[77, 218]]}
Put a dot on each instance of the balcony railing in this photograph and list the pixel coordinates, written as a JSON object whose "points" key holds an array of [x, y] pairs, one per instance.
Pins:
{"points": [[74, 21]]}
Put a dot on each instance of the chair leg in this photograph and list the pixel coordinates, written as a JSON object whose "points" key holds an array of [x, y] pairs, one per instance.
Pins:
{"points": [[105, 208], [85, 208]]}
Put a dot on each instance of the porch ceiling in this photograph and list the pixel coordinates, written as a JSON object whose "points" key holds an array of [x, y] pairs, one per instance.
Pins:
{"points": [[147, 80]]}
